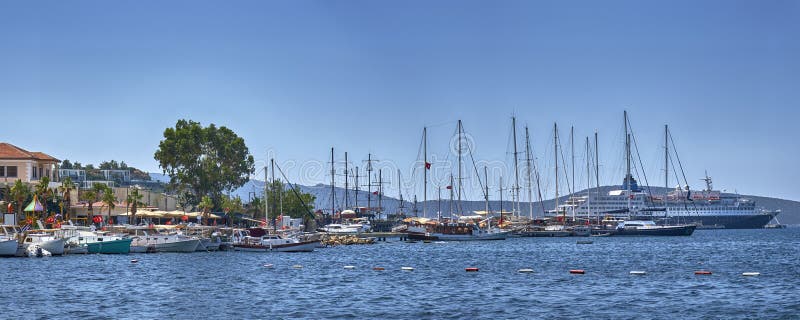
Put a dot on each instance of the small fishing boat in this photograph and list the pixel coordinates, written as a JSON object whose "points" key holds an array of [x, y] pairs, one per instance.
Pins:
{"points": [[8, 247], [46, 241]]}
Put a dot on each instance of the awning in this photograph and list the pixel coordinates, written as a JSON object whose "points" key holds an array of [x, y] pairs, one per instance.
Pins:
{"points": [[34, 206]]}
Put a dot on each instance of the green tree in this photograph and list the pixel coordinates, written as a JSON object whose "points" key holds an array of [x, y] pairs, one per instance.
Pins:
{"points": [[134, 201], [20, 193], [282, 198], [91, 196], [66, 193], [207, 160], [43, 191], [108, 199], [206, 204], [255, 207], [231, 206]]}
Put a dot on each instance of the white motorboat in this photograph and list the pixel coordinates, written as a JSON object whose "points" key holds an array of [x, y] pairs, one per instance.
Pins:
{"points": [[46, 241], [153, 241], [8, 247], [274, 243]]}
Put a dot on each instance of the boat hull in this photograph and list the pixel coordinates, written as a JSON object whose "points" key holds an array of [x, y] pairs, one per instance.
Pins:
{"points": [[8, 248], [459, 237], [55, 246], [305, 246], [176, 246], [121, 246], [686, 230]]}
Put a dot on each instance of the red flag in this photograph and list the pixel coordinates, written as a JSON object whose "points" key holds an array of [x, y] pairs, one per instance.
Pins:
{"points": [[449, 187], [427, 165], [375, 193]]}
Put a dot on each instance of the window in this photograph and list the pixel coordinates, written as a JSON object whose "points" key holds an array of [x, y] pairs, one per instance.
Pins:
{"points": [[11, 171], [2, 171]]}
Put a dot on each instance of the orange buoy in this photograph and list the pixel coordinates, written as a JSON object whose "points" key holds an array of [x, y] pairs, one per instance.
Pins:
{"points": [[471, 269], [378, 269], [702, 272], [577, 271]]}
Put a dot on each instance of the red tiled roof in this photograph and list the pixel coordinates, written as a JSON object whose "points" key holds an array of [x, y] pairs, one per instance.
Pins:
{"points": [[10, 151]]}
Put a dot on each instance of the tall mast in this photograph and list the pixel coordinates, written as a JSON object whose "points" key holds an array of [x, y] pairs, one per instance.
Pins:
{"points": [[333, 184], [380, 192], [400, 192], [516, 166], [627, 162], [486, 191], [501, 197], [439, 212], [528, 166], [274, 217], [346, 178], [356, 183], [555, 153], [369, 184], [572, 148], [588, 183], [424, 170], [627, 147], [666, 163], [596, 166], [459, 165], [451, 195], [266, 193]]}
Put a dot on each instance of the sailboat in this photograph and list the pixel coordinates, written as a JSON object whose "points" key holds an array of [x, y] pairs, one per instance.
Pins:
{"points": [[631, 191], [454, 229]]}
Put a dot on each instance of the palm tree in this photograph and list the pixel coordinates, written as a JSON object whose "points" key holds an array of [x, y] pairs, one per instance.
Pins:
{"points": [[206, 204], [66, 192], [109, 199], [89, 196], [20, 192], [42, 189], [134, 200]]}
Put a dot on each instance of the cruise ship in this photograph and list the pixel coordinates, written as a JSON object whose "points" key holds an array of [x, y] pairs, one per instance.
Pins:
{"points": [[707, 208]]}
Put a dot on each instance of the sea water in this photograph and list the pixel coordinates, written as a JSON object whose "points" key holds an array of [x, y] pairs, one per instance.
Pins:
{"points": [[238, 285]]}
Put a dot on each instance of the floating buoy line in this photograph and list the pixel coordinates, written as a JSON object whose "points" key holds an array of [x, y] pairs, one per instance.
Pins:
{"points": [[523, 270]]}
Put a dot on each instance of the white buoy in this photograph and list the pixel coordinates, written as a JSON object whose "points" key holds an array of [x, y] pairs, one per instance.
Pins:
{"points": [[751, 274], [349, 267], [268, 265], [407, 268], [134, 261], [297, 266], [525, 270], [638, 273]]}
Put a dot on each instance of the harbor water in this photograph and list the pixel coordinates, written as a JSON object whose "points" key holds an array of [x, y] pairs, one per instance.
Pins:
{"points": [[238, 285]]}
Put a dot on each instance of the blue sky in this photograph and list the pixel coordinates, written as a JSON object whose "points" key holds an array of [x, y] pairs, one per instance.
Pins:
{"points": [[101, 80]]}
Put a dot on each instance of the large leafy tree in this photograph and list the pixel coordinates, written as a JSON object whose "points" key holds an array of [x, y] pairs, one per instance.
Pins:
{"points": [[208, 160]]}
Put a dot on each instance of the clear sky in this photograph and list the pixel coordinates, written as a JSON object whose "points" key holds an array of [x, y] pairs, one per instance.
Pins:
{"points": [[100, 80]]}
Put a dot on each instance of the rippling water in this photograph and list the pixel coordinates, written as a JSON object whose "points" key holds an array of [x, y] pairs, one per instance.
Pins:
{"points": [[236, 285]]}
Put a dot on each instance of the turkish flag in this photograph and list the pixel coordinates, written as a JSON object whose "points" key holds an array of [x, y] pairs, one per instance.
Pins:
{"points": [[427, 165], [375, 193]]}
